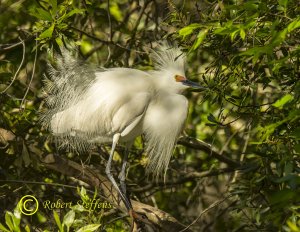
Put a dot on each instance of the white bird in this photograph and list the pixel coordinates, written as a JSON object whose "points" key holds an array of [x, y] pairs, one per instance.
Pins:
{"points": [[89, 106]]}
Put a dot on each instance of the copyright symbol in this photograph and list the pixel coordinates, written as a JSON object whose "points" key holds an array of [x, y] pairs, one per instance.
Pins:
{"points": [[28, 205]]}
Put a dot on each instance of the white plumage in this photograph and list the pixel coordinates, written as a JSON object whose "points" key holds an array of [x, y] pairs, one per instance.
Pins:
{"points": [[87, 106]]}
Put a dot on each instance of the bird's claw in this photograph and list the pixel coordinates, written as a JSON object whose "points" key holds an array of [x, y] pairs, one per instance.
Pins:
{"points": [[138, 220]]}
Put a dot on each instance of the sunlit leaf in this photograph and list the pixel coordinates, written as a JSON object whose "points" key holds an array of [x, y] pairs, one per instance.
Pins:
{"points": [[282, 101], [27, 228], [200, 37], [47, 33], [54, 6], [89, 228], [69, 218], [188, 29], [283, 3], [242, 34], [75, 11], [293, 226], [8, 220], [116, 12], [41, 14], [57, 220], [294, 25], [2, 228]]}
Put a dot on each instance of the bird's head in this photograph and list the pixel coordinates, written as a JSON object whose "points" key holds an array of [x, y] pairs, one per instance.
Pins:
{"points": [[183, 83], [170, 69]]}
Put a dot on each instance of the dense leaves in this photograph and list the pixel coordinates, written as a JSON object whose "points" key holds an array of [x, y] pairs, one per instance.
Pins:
{"points": [[246, 52]]}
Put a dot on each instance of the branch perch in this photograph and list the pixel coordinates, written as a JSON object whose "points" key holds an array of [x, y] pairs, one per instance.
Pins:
{"points": [[199, 145], [157, 218]]}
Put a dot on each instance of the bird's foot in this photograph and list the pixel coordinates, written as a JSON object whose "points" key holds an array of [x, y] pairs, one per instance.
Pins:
{"points": [[138, 221]]}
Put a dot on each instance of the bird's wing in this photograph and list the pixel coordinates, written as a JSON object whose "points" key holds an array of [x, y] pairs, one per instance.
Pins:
{"points": [[112, 104], [128, 117]]}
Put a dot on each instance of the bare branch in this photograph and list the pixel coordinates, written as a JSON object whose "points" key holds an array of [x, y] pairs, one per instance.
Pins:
{"points": [[200, 145], [32, 75], [206, 210], [19, 68], [157, 218], [184, 178]]}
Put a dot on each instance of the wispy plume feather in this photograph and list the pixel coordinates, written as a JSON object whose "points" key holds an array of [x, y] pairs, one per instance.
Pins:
{"points": [[166, 56], [84, 104], [64, 86]]}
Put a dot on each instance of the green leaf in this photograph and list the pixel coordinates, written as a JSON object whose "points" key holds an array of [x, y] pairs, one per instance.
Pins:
{"points": [[188, 29], [79, 208], [294, 25], [200, 37], [293, 226], [212, 118], [2, 228], [89, 228], [83, 192], [17, 218], [71, 13], [210, 124], [54, 6], [242, 34], [116, 12], [282, 196], [40, 14], [59, 41], [8, 220], [233, 34], [266, 131], [69, 219], [283, 3], [282, 101], [47, 33], [57, 220], [295, 134], [256, 52], [27, 228], [25, 155]]}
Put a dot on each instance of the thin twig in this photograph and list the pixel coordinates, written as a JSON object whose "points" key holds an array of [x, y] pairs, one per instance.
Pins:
{"points": [[44, 183], [206, 210], [19, 68], [110, 31], [200, 145], [5, 47], [184, 178], [32, 75], [104, 41], [243, 151]]}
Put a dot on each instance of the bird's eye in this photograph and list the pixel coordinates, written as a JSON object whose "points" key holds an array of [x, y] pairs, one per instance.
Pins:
{"points": [[179, 78]]}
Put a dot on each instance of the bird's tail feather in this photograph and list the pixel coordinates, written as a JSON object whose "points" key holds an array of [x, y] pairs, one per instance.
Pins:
{"points": [[64, 83]]}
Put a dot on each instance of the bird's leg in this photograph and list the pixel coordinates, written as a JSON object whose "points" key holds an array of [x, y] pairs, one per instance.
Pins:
{"points": [[122, 175], [110, 176], [136, 218]]}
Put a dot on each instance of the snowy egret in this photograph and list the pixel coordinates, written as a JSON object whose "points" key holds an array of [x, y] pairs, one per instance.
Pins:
{"points": [[88, 106]]}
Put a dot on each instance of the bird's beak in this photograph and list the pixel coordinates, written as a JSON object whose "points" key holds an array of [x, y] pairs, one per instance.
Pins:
{"points": [[193, 84]]}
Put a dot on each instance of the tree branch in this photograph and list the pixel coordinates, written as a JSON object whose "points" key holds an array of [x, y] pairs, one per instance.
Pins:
{"points": [[157, 218], [185, 177], [199, 145]]}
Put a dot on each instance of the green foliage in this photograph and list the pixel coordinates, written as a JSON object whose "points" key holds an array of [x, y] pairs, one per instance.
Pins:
{"points": [[255, 44], [52, 27], [246, 52], [80, 218], [13, 220]]}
